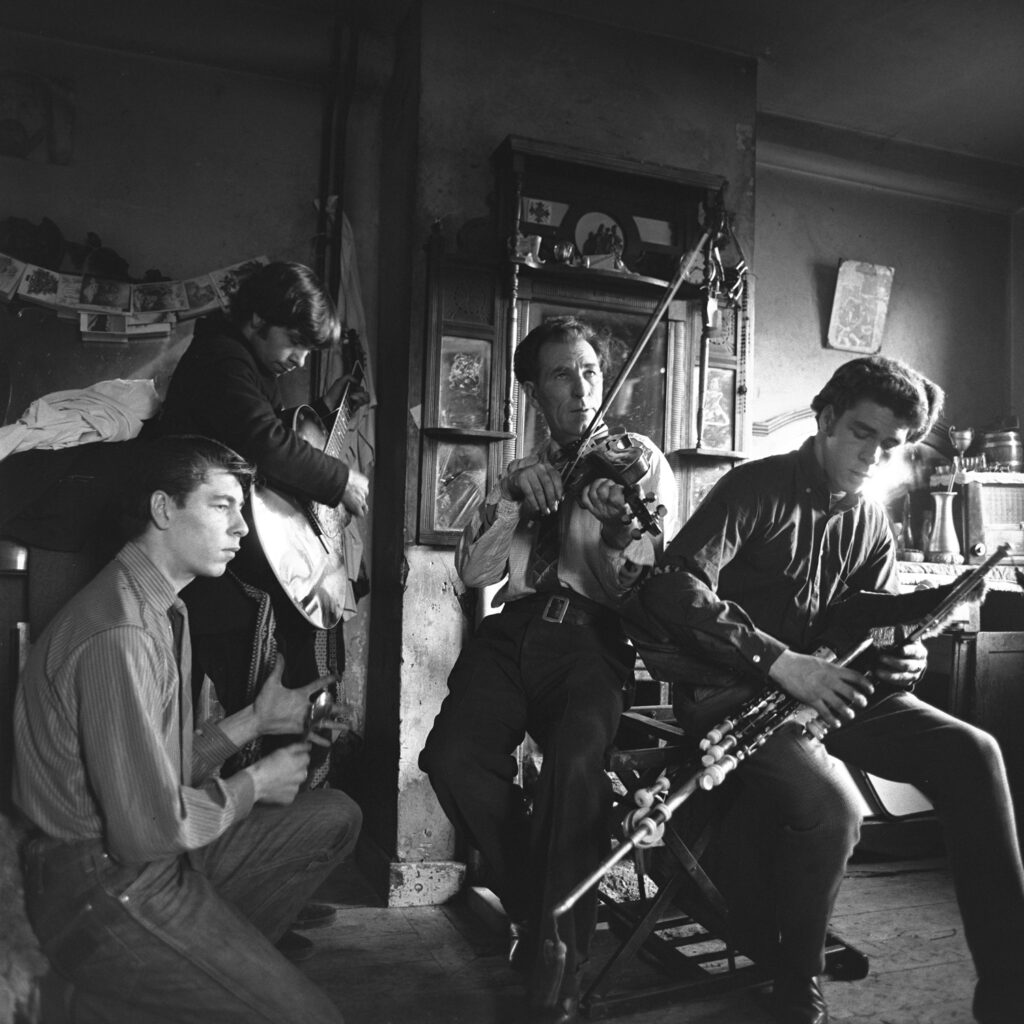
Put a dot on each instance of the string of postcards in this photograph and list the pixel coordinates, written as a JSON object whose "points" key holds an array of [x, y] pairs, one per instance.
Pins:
{"points": [[119, 311]]}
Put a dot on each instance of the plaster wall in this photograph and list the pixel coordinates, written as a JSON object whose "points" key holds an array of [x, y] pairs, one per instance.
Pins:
{"points": [[492, 70], [177, 166], [949, 308]]}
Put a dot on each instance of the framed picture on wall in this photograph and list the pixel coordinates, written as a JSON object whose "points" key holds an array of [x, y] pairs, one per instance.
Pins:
{"points": [[860, 306], [463, 403]]}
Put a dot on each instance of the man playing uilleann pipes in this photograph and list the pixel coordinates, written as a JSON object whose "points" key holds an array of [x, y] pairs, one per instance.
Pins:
{"points": [[744, 591]]}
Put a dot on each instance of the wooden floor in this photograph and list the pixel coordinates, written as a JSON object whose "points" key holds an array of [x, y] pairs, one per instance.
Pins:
{"points": [[444, 965]]}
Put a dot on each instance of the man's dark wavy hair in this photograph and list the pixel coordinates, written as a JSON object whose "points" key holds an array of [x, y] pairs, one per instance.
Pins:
{"points": [[526, 361], [912, 397], [288, 295], [176, 464]]}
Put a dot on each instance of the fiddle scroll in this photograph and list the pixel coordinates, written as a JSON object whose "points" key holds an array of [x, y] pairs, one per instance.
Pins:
{"points": [[622, 458]]}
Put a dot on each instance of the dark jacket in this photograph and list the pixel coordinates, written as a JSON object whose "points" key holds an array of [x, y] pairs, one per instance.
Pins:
{"points": [[758, 568], [219, 389]]}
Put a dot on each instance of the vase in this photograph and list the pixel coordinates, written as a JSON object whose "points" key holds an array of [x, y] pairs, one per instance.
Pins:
{"points": [[943, 544]]}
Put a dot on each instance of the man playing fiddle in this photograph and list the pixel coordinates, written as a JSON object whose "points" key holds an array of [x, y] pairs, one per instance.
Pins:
{"points": [[554, 663]]}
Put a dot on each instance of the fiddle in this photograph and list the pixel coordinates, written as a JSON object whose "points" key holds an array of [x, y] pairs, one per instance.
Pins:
{"points": [[621, 458]]}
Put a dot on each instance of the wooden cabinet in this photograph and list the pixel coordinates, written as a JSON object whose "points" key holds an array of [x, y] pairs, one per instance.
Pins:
{"points": [[994, 700], [639, 252]]}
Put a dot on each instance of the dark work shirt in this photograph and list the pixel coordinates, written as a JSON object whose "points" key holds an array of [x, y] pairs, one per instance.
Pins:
{"points": [[220, 390], [757, 567]]}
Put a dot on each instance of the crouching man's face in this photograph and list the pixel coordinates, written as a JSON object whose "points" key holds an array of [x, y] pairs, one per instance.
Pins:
{"points": [[204, 533]]}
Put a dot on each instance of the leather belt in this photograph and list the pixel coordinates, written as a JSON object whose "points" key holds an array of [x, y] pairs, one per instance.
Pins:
{"points": [[568, 610]]}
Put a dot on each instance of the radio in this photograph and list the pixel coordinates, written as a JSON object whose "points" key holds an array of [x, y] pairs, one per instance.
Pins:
{"points": [[992, 513]]}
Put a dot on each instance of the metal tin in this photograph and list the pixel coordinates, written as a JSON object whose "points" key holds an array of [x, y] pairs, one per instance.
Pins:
{"points": [[1003, 449]]}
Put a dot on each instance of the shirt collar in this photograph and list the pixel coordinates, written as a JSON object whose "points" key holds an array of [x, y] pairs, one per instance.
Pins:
{"points": [[812, 479], [555, 453], [154, 586]]}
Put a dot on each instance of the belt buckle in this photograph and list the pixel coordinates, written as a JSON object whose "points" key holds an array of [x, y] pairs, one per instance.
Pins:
{"points": [[555, 609]]}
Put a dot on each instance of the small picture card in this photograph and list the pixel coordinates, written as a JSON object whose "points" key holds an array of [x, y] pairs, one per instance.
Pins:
{"points": [[227, 279], [39, 285], [49, 288], [158, 296], [11, 271], [202, 297], [104, 295], [103, 323], [860, 306]]}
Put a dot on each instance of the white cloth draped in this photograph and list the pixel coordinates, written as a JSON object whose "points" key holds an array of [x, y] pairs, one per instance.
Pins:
{"points": [[111, 410]]}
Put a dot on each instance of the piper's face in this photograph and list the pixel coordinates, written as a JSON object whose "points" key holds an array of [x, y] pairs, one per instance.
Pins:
{"points": [[852, 446], [568, 389]]}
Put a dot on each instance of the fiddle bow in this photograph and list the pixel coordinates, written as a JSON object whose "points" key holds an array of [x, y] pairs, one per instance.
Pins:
{"points": [[619, 457]]}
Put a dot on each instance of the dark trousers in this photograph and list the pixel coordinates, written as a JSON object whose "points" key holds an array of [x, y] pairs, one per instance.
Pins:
{"points": [[806, 822], [190, 939], [564, 684]]}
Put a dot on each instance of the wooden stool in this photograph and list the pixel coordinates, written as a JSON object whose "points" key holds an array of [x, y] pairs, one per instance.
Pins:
{"points": [[674, 920]]}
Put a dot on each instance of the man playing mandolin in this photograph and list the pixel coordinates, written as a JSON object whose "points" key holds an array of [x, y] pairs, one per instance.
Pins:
{"points": [[226, 387], [554, 663], [750, 593]]}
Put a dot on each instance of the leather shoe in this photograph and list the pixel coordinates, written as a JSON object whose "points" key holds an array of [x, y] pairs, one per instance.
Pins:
{"points": [[799, 1001], [998, 1000], [295, 947], [315, 915]]}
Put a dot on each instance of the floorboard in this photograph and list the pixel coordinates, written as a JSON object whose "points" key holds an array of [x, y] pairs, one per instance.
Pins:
{"points": [[445, 965]]}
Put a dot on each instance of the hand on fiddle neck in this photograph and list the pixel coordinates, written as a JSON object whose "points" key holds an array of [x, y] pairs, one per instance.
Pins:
{"points": [[357, 395], [606, 501]]}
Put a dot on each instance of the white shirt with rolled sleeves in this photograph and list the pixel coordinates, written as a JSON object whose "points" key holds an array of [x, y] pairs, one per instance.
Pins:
{"points": [[498, 541]]}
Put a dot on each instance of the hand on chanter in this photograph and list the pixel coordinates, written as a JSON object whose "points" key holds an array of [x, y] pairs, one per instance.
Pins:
{"points": [[901, 667], [835, 692], [281, 711]]}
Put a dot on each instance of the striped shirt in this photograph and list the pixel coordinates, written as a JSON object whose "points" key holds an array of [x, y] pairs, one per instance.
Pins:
{"points": [[103, 727], [586, 564]]}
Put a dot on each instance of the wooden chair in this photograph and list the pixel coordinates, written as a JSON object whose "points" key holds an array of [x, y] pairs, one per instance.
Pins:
{"points": [[665, 929]]}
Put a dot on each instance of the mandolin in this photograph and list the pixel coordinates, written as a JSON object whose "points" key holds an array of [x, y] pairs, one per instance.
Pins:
{"points": [[303, 541]]}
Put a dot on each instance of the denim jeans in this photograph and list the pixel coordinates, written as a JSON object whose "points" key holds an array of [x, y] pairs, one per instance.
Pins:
{"points": [[191, 938]]}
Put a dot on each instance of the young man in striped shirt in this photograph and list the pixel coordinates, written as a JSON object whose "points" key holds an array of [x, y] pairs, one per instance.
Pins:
{"points": [[154, 885]]}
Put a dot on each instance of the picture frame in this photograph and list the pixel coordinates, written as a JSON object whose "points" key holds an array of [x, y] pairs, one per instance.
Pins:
{"points": [[459, 483], [860, 307], [464, 380]]}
